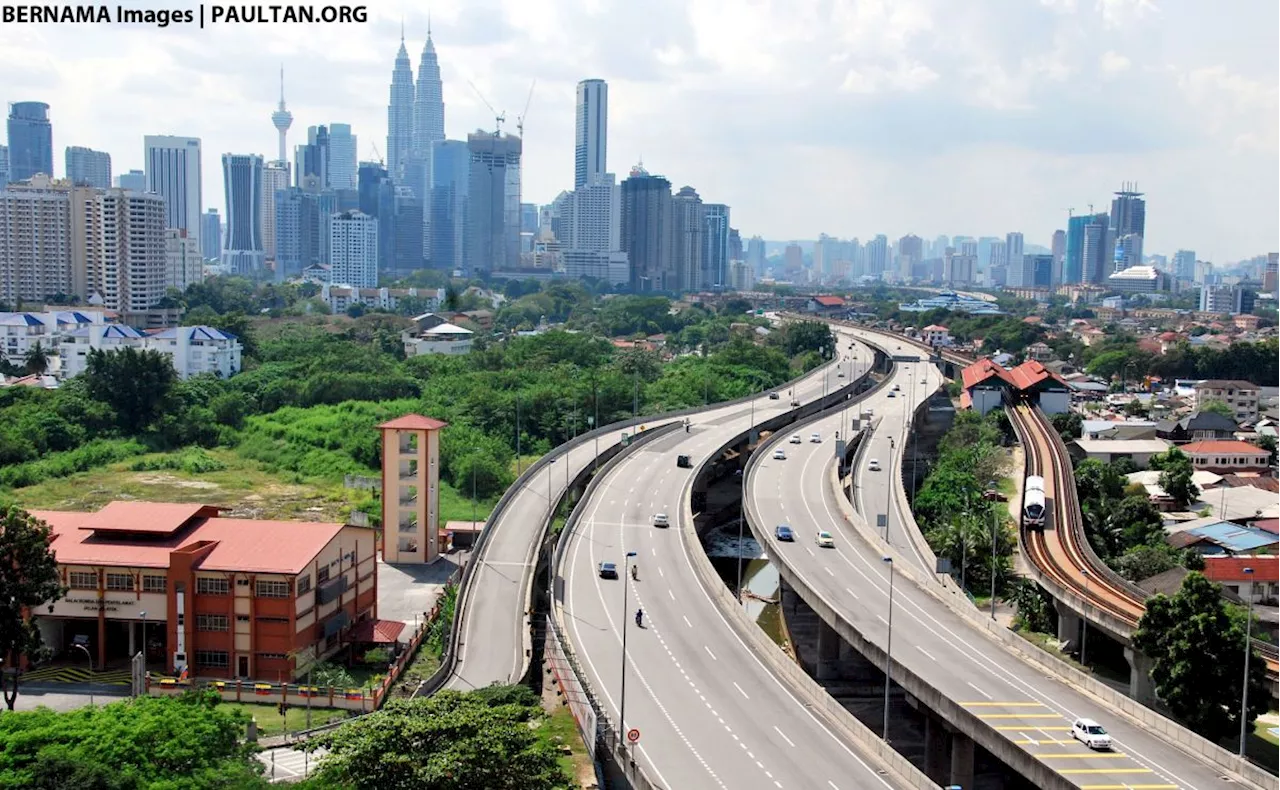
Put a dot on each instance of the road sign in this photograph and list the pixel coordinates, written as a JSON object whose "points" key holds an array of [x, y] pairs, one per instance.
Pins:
{"points": [[882, 519], [633, 735]]}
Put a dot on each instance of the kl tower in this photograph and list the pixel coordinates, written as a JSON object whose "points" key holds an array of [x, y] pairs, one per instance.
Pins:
{"points": [[282, 119]]}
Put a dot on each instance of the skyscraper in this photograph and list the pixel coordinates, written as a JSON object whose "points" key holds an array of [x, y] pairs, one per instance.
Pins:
{"points": [[688, 245], [311, 160], [715, 257], [1076, 268], [400, 114], [1184, 264], [1128, 252], [301, 219], [593, 217], [591, 132], [493, 202], [4, 166], [134, 260], [1014, 259], [342, 157], [368, 177], [755, 254], [88, 168], [30, 140], [877, 255], [1128, 212], [1096, 249], [450, 185], [282, 119], [910, 251], [242, 251], [211, 235], [353, 249], [275, 176], [646, 231], [1059, 252], [134, 179], [428, 103], [35, 240], [173, 171]]}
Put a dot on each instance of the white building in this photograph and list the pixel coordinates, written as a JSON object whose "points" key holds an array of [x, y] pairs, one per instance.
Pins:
{"points": [[1138, 279], [20, 332], [610, 267], [431, 334], [340, 297], [173, 171], [131, 272], [591, 132], [353, 249], [193, 349], [184, 263], [935, 336], [275, 176], [593, 216], [74, 348]]}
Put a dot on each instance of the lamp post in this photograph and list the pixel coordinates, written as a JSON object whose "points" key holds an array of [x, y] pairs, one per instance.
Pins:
{"points": [[85, 650], [888, 499], [1248, 648], [595, 423], [550, 512], [1084, 632], [742, 490], [143, 615], [622, 705], [888, 652], [991, 484], [474, 449], [517, 436]]}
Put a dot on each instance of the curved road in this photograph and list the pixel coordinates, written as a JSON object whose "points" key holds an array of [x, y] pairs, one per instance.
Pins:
{"points": [[1032, 710], [710, 714]]}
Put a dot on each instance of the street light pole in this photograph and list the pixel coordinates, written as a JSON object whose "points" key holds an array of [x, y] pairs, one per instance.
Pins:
{"points": [[595, 403], [622, 705], [517, 437], [888, 499], [1084, 632], [1248, 649], [888, 653], [994, 519], [85, 650], [143, 615], [742, 492]]}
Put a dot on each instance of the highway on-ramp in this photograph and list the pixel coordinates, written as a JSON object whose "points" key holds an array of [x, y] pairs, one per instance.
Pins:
{"points": [[1027, 707], [708, 712]]}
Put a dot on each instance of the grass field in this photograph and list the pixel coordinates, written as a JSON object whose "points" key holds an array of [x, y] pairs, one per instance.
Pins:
{"points": [[270, 722], [560, 731]]}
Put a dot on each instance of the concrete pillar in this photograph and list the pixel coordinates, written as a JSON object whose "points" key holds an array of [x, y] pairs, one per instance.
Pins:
{"points": [[132, 650], [1140, 686], [855, 666], [828, 652], [1068, 626], [935, 749], [962, 760]]}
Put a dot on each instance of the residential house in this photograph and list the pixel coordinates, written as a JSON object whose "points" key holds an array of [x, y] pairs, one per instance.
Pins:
{"points": [[1040, 352], [21, 332], [1118, 429], [1224, 538], [826, 305], [935, 336], [193, 349], [1197, 426], [432, 334], [1226, 457], [341, 297], [1241, 396], [1108, 450], [1248, 577]]}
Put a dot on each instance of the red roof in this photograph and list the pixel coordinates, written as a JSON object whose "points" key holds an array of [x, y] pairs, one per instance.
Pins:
{"points": [[934, 328], [1231, 569], [413, 422], [1222, 447], [156, 518], [1031, 373], [1271, 525], [982, 370], [376, 632], [829, 301], [242, 545]]}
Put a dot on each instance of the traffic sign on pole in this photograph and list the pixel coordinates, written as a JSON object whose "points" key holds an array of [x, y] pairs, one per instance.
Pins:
{"points": [[633, 735]]}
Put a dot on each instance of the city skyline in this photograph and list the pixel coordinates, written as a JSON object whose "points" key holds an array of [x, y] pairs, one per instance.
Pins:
{"points": [[1193, 132]]}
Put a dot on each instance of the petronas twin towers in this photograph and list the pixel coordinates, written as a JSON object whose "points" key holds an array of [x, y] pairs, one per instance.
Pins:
{"points": [[415, 116]]}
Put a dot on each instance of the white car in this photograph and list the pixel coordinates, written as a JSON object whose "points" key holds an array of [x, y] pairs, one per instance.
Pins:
{"points": [[892, 394], [873, 465], [824, 539], [779, 455], [815, 438], [661, 520], [795, 438], [1091, 734], [897, 387]]}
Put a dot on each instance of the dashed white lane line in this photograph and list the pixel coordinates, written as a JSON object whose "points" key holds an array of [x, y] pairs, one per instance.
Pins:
{"points": [[926, 652], [827, 568], [673, 595], [660, 572], [740, 691], [784, 737], [834, 786], [686, 621], [980, 691], [713, 655]]}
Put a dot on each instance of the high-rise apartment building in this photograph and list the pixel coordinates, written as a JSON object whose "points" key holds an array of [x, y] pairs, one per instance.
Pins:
{"points": [[493, 201], [646, 231], [275, 177], [1184, 264], [302, 228], [184, 261], [400, 114], [755, 254], [1019, 276], [242, 251], [134, 180], [353, 249], [1230, 299], [1058, 248], [35, 240], [688, 246], [211, 235], [910, 251], [172, 166], [591, 132], [134, 261], [282, 119], [715, 258], [342, 157], [4, 166], [30, 140], [735, 245], [1128, 252], [88, 168], [878, 255], [1077, 267], [1271, 275], [594, 216]]}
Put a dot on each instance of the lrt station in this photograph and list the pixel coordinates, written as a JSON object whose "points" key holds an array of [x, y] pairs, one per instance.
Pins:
{"points": [[988, 386]]}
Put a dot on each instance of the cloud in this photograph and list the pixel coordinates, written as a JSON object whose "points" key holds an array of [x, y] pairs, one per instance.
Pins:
{"points": [[1112, 63]]}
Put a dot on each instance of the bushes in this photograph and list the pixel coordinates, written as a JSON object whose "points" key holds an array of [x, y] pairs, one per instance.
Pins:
{"points": [[193, 461], [98, 452]]}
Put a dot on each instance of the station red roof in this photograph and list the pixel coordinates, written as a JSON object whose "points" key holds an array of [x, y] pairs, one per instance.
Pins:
{"points": [[413, 422], [829, 301], [376, 632], [1031, 374], [982, 370], [154, 518]]}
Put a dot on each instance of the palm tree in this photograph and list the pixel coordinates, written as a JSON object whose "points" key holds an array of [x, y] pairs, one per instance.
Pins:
{"points": [[37, 361]]}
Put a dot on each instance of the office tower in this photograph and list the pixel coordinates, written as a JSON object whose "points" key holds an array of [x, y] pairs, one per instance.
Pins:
{"points": [[940, 244], [1128, 212], [1058, 248], [35, 240], [528, 217], [1128, 252], [715, 259], [211, 235], [735, 245], [173, 171], [4, 166], [88, 168], [984, 250], [593, 217], [493, 207], [282, 119], [688, 246], [184, 262], [450, 186], [428, 103], [877, 255], [998, 255], [368, 178], [1075, 268], [407, 249], [910, 251], [134, 180], [1184, 264], [1271, 275], [400, 114], [591, 132], [275, 176], [242, 251], [1013, 246], [792, 259], [1096, 251], [302, 227], [646, 232], [353, 246], [1231, 299], [311, 160], [30, 140], [341, 165], [1037, 271], [755, 254]]}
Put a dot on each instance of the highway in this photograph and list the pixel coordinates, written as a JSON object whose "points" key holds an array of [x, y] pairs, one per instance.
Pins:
{"points": [[708, 711], [1033, 711]]}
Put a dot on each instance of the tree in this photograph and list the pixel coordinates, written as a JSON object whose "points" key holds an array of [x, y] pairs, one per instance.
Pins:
{"points": [[30, 580], [1068, 424], [803, 336], [1143, 562], [1198, 648], [134, 383], [450, 741], [37, 361], [1176, 476], [1268, 443], [1216, 406]]}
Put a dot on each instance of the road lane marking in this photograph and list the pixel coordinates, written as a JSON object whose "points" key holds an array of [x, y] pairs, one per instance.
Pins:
{"points": [[1078, 756], [686, 622], [827, 568], [833, 785], [713, 655], [784, 737], [739, 688], [926, 652], [660, 573], [1033, 742], [1105, 770], [1019, 716], [1127, 786], [980, 691], [1040, 729], [673, 595], [1001, 704]]}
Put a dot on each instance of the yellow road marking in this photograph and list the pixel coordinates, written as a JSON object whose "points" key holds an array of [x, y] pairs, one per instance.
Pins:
{"points": [[1070, 755], [1106, 771], [1020, 727], [1044, 742], [1002, 704], [1019, 716]]}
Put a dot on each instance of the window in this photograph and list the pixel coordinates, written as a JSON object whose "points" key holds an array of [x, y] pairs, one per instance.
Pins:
{"points": [[154, 584], [272, 657], [211, 622], [242, 618], [304, 584], [120, 582], [84, 580], [207, 586], [273, 589], [211, 659], [242, 582], [322, 575]]}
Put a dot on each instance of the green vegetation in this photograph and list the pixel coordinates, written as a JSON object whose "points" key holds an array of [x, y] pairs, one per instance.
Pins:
{"points": [[1197, 643], [271, 723], [30, 579], [1176, 476]]}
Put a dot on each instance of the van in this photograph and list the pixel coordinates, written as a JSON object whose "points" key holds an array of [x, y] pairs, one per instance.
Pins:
{"points": [[683, 462]]}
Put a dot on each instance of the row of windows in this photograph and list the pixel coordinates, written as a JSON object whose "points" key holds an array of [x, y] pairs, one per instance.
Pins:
{"points": [[220, 659], [117, 582], [124, 582], [263, 589]]}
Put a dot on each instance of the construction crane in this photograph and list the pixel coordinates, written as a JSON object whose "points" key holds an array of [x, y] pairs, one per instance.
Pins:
{"points": [[497, 116], [376, 153], [520, 118]]}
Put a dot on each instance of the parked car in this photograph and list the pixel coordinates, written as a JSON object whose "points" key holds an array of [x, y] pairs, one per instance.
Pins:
{"points": [[1091, 734], [608, 570], [661, 520], [873, 465], [897, 387], [991, 495], [824, 539], [779, 455], [783, 532]]}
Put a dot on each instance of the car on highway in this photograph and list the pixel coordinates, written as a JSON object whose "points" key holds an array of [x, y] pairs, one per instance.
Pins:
{"points": [[824, 539], [779, 455], [892, 394], [773, 396], [873, 465], [897, 387], [1091, 734], [783, 532], [795, 438], [840, 374], [815, 438], [683, 462], [795, 402], [608, 570], [661, 520]]}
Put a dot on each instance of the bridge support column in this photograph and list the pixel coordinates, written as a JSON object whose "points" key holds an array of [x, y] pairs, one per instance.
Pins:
{"points": [[828, 665], [961, 760], [1068, 626], [1140, 686], [855, 666], [935, 749]]}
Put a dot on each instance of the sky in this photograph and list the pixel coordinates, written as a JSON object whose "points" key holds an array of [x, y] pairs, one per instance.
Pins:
{"points": [[845, 117]]}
